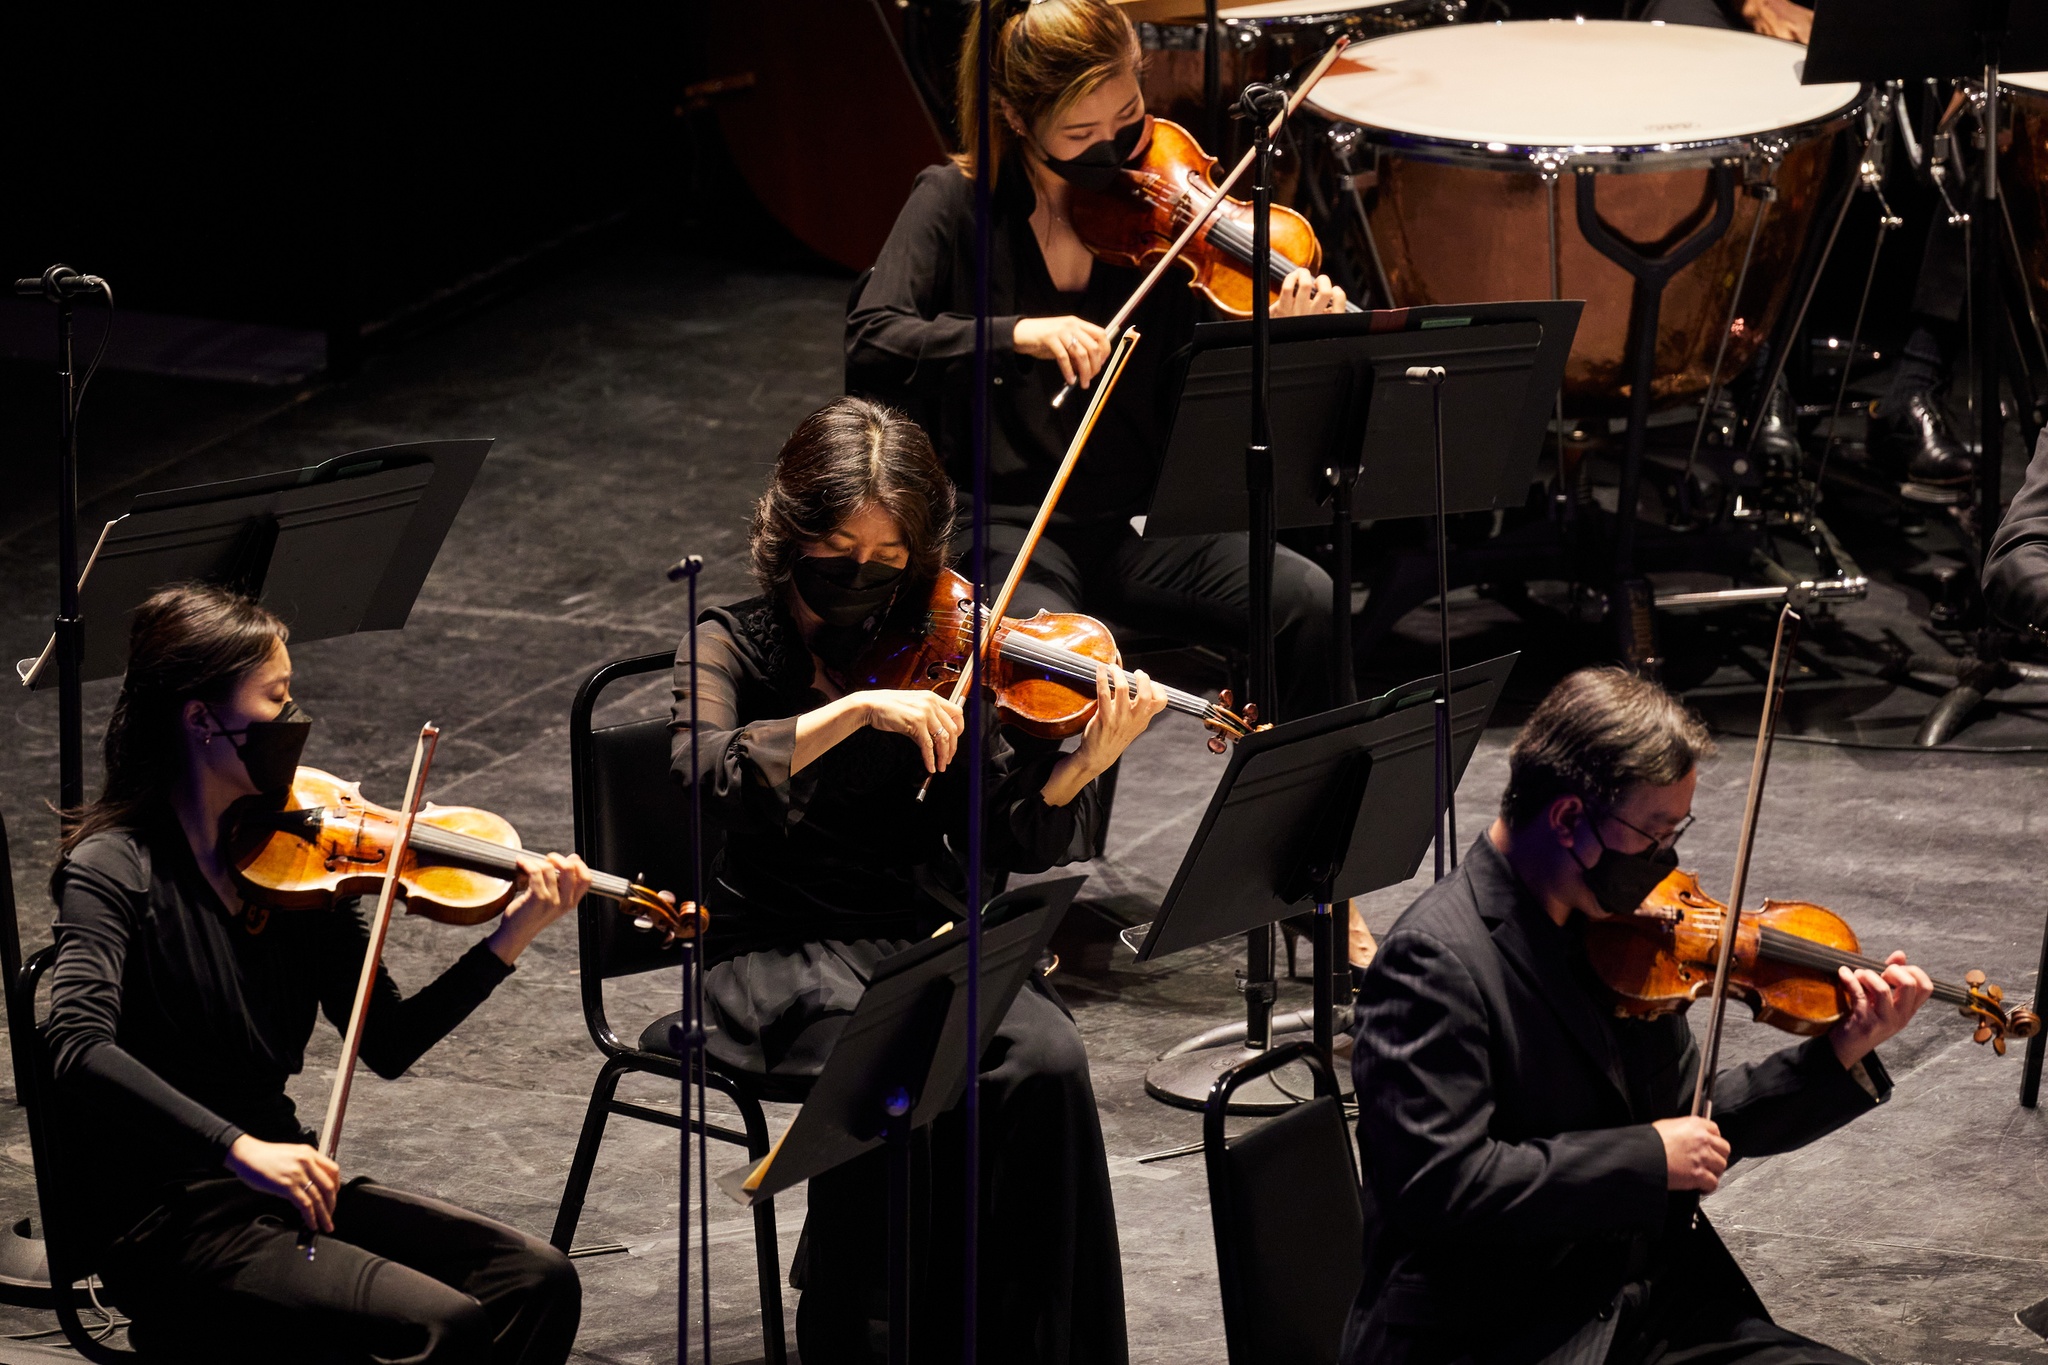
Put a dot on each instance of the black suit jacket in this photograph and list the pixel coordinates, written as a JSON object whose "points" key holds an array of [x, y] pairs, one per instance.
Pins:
{"points": [[1513, 1182], [2016, 567]]}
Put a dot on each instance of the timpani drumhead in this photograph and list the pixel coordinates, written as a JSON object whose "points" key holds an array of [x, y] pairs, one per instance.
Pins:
{"points": [[1584, 86], [2035, 81]]}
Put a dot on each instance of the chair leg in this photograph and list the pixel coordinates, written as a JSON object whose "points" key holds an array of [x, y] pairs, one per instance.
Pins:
{"points": [[585, 1160], [767, 1254]]}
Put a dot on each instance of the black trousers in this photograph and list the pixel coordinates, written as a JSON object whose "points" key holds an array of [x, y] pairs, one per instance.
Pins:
{"points": [[1191, 588], [218, 1274]]}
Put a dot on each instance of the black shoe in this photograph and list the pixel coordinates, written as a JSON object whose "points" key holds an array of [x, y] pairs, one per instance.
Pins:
{"points": [[1933, 456], [1777, 436]]}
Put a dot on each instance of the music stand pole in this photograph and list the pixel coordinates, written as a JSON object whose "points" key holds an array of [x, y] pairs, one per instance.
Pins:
{"points": [[70, 630], [1987, 308], [1445, 820], [1212, 77], [1260, 101]]}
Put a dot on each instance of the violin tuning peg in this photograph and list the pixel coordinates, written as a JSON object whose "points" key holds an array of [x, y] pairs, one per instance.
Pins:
{"points": [[1216, 744], [1997, 995], [1975, 978], [1983, 1035], [1226, 699], [1251, 713], [1998, 1045]]}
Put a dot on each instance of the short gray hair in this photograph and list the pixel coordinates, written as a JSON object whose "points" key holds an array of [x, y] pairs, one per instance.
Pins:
{"points": [[1600, 732]]}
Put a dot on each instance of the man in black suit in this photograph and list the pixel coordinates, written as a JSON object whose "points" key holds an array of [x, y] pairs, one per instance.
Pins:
{"points": [[1531, 1172]]}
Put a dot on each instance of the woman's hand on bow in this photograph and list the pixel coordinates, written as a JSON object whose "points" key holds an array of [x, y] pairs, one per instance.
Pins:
{"points": [[291, 1171], [1077, 346]]}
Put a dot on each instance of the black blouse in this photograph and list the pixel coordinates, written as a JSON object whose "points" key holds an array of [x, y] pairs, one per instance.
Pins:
{"points": [[843, 849], [910, 343], [173, 1028]]}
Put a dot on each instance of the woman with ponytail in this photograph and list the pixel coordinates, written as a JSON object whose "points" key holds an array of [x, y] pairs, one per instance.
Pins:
{"points": [[1066, 109]]}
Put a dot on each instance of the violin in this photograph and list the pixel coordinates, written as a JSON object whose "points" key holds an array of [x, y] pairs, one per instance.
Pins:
{"points": [[328, 842], [1040, 670], [1165, 204], [1785, 964], [1167, 188]]}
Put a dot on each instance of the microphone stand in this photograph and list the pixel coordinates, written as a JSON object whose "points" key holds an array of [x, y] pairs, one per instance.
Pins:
{"points": [[1444, 820], [61, 285]]}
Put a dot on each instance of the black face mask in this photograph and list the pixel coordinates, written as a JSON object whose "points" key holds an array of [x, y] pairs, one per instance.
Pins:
{"points": [[1100, 163], [270, 749], [849, 597], [1621, 882]]}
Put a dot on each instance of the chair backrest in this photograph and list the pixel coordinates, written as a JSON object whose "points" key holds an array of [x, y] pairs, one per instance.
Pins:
{"points": [[68, 1240], [633, 819], [1285, 1200]]}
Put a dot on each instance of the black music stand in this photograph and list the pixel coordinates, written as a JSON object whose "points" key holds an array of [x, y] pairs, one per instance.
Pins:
{"points": [[1324, 809], [335, 548], [902, 1061], [1356, 439]]}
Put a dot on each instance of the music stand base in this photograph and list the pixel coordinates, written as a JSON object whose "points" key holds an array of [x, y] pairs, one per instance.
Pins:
{"points": [[1185, 1079]]}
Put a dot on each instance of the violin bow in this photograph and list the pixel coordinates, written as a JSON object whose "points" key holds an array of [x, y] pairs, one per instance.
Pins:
{"points": [[1105, 384], [380, 925], [1201, 219], [1789, 621]]}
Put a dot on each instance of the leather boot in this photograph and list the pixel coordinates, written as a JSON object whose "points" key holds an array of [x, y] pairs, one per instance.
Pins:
{"points": [[1933, 455]]}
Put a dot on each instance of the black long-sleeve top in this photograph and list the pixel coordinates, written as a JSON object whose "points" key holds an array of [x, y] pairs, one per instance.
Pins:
{"points": [[842, 849], [910, 343], [173, 1028]]}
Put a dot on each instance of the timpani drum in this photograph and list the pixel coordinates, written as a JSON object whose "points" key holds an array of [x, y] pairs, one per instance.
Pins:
{"points": [[1261, 41], [1480, 127]]}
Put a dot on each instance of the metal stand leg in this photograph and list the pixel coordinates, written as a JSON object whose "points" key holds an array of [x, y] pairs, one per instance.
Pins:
{"points": [[1652, 274]]}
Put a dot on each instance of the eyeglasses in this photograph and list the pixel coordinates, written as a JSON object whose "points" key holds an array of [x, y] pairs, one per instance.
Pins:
{"points": [[1664, 844]]}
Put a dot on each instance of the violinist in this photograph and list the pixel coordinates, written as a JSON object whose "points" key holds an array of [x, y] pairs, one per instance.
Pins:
{"points": [[179, 1013], [1528, 1156], [831, 862], [1067, 110]]}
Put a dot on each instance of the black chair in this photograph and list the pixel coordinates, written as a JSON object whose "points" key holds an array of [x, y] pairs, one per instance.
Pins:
{"points": [[1290, 1222], [71, 1251], [632, 818]]}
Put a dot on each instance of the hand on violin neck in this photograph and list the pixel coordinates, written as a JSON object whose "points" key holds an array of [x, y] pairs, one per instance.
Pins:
{"points": [[1125, 704], [551, 887], [1695, 1153], [1302, 293], [1076, 345], [1880, 1004]]}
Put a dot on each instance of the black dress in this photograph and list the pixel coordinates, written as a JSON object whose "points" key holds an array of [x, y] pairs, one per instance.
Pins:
{"points": [[910, 343], [173, 1029], [821, 875]]}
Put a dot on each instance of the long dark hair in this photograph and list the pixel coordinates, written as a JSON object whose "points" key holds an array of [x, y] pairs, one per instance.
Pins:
{"points": [[189, 642], [849, 454]]}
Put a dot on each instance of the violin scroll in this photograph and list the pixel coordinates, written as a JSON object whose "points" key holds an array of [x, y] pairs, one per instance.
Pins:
{"points": [[1996, 1021], [660, 910]]}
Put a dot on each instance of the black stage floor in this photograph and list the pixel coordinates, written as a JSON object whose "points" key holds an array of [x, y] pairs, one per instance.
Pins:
{"points": [[637, 399]]}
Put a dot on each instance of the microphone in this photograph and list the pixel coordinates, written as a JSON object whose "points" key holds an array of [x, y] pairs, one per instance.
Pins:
{"points": [[686, 567], [58, 283], [1425, 374]]}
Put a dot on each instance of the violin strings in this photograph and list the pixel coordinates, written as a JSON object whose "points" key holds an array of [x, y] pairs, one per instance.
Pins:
{"points": [[1790, 949], [433, 839], [1079, 667]]}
